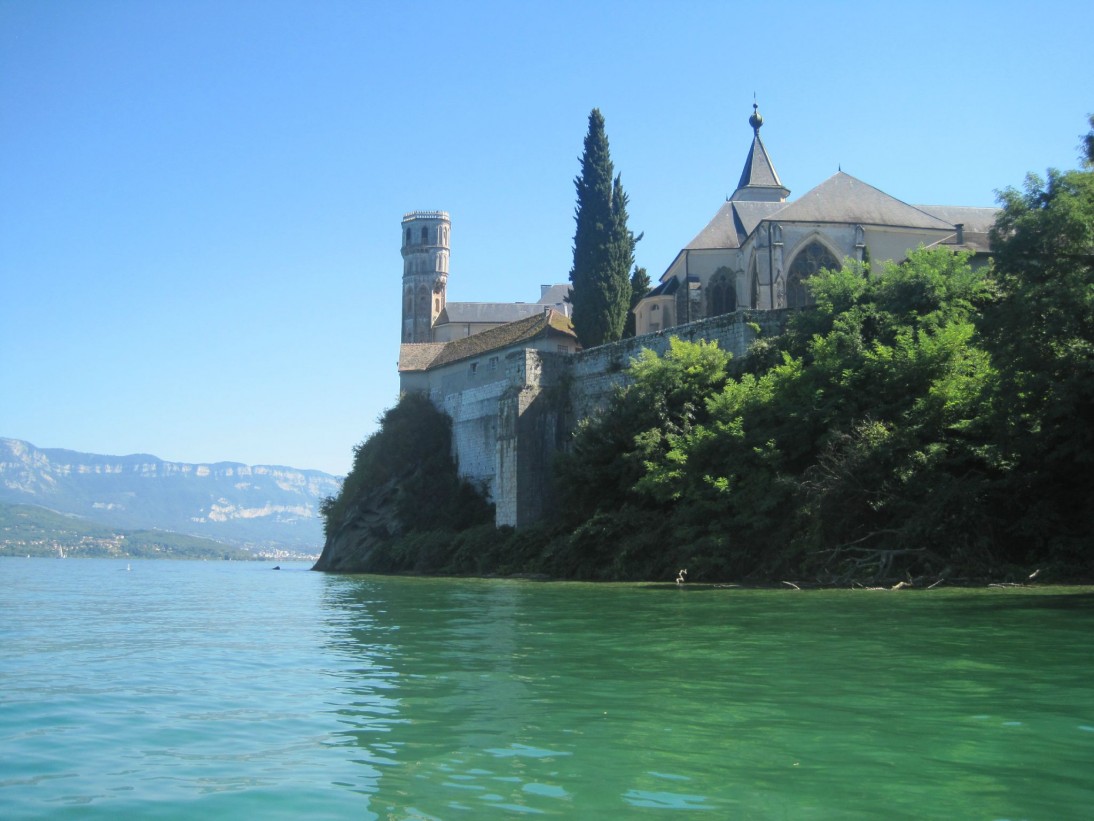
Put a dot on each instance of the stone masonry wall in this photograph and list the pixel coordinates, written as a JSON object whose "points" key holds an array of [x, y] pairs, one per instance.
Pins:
{"points": [[506, 432], [474, 414], [595, 373]]}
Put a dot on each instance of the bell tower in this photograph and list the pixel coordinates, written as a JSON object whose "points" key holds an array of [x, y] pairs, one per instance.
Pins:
{"points": [[425, 272]]}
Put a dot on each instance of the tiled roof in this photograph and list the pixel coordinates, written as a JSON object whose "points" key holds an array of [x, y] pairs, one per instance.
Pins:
{"points": [[549, 322], [843, 199], [418, 356]]}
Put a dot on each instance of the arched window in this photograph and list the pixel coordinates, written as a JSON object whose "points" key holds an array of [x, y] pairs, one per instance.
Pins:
{"points": [[808, 262], [721, 293], [754, 287], [425, 235], [408, 236]]}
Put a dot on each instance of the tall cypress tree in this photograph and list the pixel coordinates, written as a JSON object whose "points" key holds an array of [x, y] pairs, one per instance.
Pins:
{"points": [[603, 245]]}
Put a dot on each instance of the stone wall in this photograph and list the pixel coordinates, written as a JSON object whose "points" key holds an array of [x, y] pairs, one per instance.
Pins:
{"points": [[595, 373], [507, 428], [474, 414], [533, 423]]}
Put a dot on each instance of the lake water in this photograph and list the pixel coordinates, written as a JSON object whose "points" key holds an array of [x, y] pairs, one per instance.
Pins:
{"points": [[228, 690]]}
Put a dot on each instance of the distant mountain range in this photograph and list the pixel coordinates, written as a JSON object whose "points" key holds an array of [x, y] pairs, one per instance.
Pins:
{"points": [[253, 506]]}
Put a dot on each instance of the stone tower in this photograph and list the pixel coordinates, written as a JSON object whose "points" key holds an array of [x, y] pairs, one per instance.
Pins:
{"points": [[425, 272]]}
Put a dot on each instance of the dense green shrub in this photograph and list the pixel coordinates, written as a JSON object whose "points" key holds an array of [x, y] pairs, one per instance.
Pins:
{"points": [[411, 450]]}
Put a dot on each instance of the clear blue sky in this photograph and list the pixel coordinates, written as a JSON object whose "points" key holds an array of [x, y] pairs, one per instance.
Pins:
{"points": [[200, 201]]}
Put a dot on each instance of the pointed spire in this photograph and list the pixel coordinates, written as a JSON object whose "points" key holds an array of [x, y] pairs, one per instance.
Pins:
{"points": [[759, 180]]}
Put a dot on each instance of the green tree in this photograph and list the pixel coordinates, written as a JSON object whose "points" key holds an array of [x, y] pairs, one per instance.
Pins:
{"points": [[410, 453], [863, 452], [640, 286], [603, 245], [1041, 333]]}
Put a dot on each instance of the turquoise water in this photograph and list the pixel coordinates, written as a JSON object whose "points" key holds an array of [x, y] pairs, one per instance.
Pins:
{"points": [[227, 690]]}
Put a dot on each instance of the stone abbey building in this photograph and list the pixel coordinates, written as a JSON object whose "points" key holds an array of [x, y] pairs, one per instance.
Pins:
{"points": [[759, 247], [513, 377]]}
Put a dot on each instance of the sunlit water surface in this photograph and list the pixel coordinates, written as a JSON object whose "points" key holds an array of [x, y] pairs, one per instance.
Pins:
{"points": [[228, 690]]}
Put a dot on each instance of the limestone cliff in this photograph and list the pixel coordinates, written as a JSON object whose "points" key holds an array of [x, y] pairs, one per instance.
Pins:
{"points": [[243, 505], [369, 522]]}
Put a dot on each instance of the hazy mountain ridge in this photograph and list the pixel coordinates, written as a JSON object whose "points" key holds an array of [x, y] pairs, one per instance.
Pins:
{"points": [[254, 505], [30, 530]]}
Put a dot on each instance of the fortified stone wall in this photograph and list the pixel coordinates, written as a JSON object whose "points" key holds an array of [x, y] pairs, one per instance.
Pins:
{"points": [[507, 431], [595, 373], [474, 414], [533, 423]]}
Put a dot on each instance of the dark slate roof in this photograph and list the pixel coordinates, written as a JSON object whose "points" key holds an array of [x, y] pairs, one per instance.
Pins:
{"points": [[721, 232], [751, 214], [758, 171], [666, 288], [843, 199], [975, 241], [975, 220], [549, 322], [555, 294], [732, 224], [487, 312]]}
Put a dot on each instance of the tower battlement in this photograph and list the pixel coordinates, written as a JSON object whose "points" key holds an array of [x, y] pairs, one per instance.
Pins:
{"points": [[426, 215]]}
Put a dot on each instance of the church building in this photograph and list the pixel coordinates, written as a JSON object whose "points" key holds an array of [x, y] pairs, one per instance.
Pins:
{"points": [[759, 247], [513, 378]]}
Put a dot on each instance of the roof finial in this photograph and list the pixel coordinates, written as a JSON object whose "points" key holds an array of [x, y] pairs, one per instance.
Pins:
{"points": [[755, 120]]}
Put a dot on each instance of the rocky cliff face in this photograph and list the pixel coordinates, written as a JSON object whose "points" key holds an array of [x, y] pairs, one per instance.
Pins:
{"points": [[368, 523], [246, 505]]}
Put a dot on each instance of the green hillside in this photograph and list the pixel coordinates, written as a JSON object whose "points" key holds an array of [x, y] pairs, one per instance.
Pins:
{"points": [[26, 530]]}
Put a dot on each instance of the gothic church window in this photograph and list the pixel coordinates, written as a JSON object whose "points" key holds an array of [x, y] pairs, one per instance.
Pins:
{"points": [[807, 263], [721, 293], [754, 287]]}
